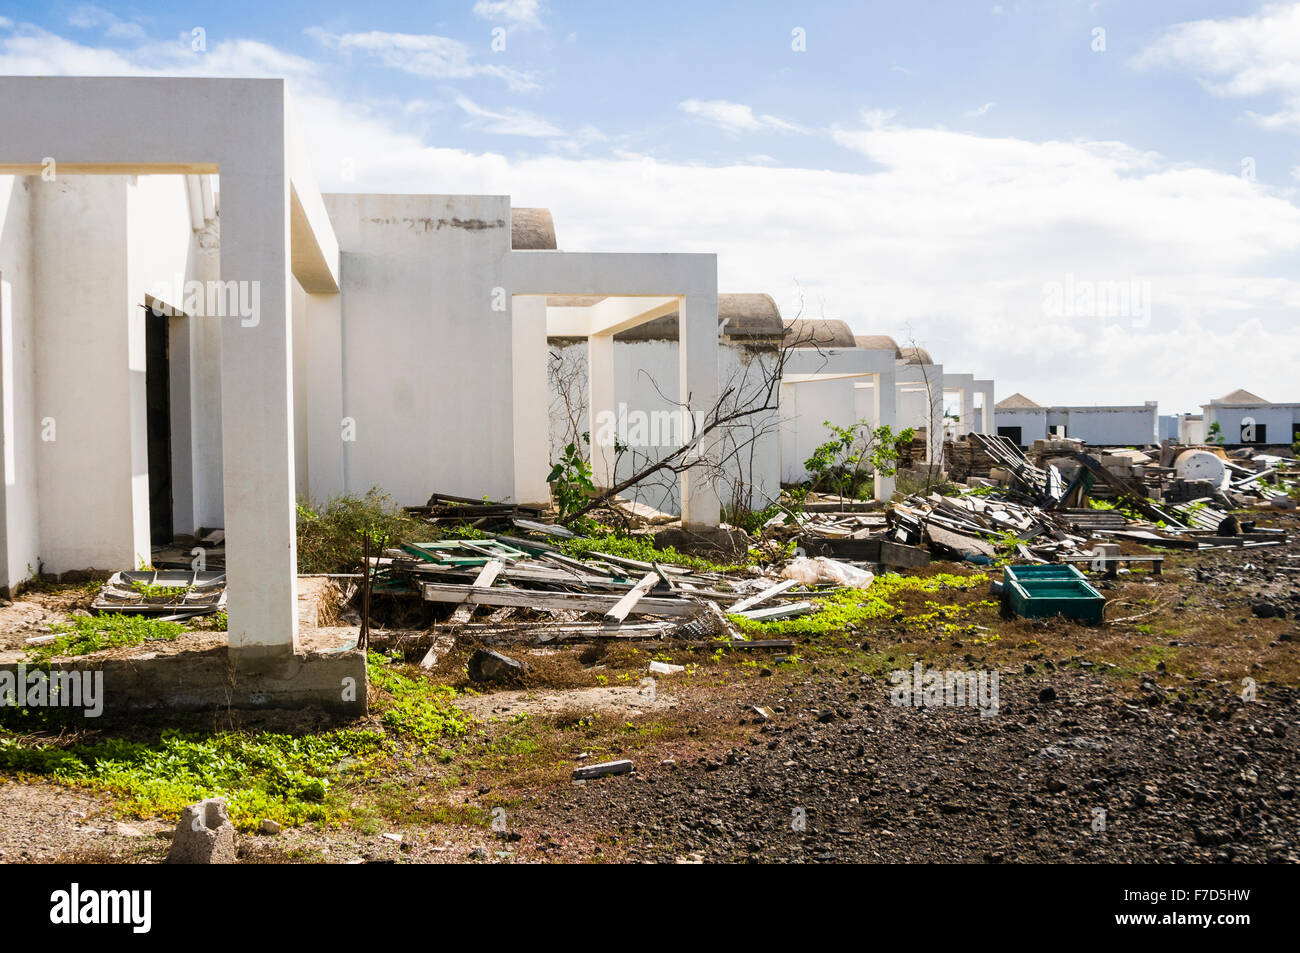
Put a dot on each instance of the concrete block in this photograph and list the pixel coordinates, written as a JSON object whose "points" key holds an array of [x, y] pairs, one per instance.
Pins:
{"points": [[204, 835]]}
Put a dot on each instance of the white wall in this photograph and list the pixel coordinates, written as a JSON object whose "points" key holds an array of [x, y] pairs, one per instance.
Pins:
{"points": [[93, 499], [1032, 423], [18, 420], [1276, 419], [806, 407], [424, 362], [1113, 426]]}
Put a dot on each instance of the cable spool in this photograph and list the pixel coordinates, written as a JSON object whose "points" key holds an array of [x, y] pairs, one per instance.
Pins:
{"points": [[1202, 465]]}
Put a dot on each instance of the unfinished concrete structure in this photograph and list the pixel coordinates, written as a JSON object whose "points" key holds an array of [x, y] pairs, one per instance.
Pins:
{"points": [[648, 408], [830, 377], [920, 398], [78, 262], [181, 309], [1023, 421]]}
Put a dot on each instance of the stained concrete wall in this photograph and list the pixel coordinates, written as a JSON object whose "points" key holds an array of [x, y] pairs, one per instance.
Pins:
{"points": [[647, 375], [422, 361]]}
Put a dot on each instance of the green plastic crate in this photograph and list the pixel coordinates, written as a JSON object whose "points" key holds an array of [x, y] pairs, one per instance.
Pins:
{"points": [[1045, 596]]}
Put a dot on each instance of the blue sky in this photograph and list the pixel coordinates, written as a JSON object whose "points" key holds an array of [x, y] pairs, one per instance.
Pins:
{"points": [[928, 170]]}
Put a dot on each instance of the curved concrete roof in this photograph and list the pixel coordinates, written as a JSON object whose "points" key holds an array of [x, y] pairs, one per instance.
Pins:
{"points": [[915, 355], [878, 342], [747, 316], [532, 229], [819, 332]]}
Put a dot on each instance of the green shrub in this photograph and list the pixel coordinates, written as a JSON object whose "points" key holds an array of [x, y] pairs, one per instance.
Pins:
{"points": [[330, 536]]}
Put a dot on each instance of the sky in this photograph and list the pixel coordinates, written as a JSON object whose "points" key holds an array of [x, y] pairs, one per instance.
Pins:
{"points": [[1090, 202]]}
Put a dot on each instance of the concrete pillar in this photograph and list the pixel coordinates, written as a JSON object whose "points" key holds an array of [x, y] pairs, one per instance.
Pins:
{"points": [[257, 403], [985, 390], [326, 427], [934, 433], [697, 332], [531, 401], [601, 411]]}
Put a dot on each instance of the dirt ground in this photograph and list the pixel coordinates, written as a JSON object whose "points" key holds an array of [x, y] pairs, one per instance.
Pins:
{"points": [[1167, 735]]}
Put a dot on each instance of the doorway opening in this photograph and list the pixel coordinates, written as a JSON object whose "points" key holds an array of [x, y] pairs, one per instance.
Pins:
{"points": [[158, 426]]}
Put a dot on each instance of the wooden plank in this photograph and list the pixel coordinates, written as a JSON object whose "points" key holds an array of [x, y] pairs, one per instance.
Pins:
{"points": [[486, 576], [441, 644], [778, 612], [619, 612], [532, 599], [763, 596]]}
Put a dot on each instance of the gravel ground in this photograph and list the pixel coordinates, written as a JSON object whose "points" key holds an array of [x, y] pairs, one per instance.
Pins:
{"points": [[1196, 781]]}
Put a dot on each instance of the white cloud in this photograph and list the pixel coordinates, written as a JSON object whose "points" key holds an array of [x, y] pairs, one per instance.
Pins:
{"points": [[511, 122], [438, 57], [734, 118], [979, 111], [516, 14], [31, 51], [1240, 57], [90, 17]]}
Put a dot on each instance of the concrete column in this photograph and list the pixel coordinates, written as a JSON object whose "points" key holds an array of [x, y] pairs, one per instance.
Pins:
{"points": [[601, 411], [531, 400], [257, 407], [205, 392], [985, 389], [886, 415], [697, 332], [325, 410], [934, 433]]}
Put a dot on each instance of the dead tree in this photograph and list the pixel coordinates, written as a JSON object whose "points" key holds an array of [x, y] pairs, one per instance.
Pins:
{"points": [[723, 442]]}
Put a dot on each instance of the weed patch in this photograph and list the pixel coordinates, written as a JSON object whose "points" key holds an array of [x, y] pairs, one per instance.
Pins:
{"points": [[89, 634]]}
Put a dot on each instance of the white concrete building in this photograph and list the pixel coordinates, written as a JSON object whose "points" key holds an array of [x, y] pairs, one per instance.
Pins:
{"points": [[1024, 421], [646, 398], [920, 398], [830, 377], [294, 343], [1245, 418]]}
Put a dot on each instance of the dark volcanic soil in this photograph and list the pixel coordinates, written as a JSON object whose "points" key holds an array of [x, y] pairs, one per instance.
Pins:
{"points": [[1203, 780]]}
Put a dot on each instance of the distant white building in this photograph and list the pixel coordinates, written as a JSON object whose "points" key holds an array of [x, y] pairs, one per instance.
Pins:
{"points": [[1024, 421], [1246, 418]]}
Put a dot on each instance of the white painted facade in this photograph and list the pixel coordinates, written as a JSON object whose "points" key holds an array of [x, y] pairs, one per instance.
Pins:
{"points": [[1256, 422], [1136, 426]]}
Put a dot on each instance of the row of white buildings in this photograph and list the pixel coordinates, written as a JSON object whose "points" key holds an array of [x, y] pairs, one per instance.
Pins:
{"points": [[193, 335], [1236, 419]]}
